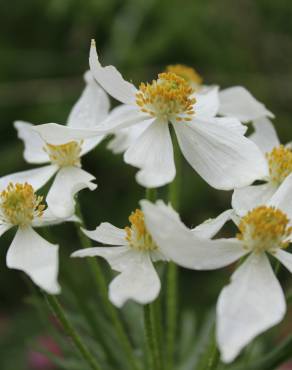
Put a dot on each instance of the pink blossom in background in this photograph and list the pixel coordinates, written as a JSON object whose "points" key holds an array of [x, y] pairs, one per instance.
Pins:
{"points": [[38, 360]]}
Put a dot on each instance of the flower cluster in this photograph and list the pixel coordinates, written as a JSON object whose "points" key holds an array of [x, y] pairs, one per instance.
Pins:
{"points": [[210, 127]]}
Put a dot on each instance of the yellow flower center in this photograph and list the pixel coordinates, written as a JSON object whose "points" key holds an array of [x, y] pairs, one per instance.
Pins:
{"points": [[19, 204], [167, 98], [66, 154], [187, 73], [264, 229], [138, 236], [280, 163]]}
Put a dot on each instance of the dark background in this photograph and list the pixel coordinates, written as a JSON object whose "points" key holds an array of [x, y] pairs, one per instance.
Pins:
{"points": [[44, 49]]}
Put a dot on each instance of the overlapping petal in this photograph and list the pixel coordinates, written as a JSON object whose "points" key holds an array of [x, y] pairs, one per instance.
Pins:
{"points": [[265, 135], [37, 177], [285, 258], [179, 244], [221, 156], [152, 152], [238, 102], [282, 197], [207, 103], [249, 197], [91, 108]]}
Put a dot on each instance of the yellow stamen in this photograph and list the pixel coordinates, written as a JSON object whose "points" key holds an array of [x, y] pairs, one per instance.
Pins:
{"points": [[280, 163], [264, 229], [19, 204], [167, 98], [65, 154], [137, 235], [187, 73]]}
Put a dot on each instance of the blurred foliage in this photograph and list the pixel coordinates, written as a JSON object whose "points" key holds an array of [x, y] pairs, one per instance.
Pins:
{"points": [[44, 52]]}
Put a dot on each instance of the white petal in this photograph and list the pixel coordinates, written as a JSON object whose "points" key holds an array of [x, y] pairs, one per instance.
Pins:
{"points": [[285, 258], [210, 227], [124, 138], [221, 156], [123, 116], [4, 228], [152, 152], [238, 102], [108, 234], [33, 145], [207, 103], [232, 124], [92, 106], [49, 219], [119, 258], [178, 243], [249, 197], [139, 282], [252, 303], [138, 279], [111, 79], [282, 197], [37, 178], [265, 135], [68, 182], [36, 257], [59, 134]]}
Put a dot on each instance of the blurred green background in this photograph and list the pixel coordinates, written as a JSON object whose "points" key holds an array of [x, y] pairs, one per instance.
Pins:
{"points": [[44, 53]]}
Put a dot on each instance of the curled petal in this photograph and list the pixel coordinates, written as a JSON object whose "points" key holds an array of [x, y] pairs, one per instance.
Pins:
{"points": [[68, 182], [33, 145], [108, 234], [211, 227], [111, 79]]}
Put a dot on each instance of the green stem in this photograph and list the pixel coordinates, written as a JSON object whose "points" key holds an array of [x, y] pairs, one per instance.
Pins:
{"points": [[209, 359], [102, 288], [274, 359], [172, 272], [152, 321], [71, 332], [151, 337]]}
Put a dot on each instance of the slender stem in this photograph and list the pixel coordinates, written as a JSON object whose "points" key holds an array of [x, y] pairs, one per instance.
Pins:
{"points": [[151, 337], [281, 354], [102, 287], [209, 359], [71, 332], [172, 273], [151, 319]]}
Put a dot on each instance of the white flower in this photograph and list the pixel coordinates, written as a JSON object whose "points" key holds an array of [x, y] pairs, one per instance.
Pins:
{"points": [[59, 145], [132, 256], [135, 251], [254, 301], [29, 252], [237, 102], [279, 161], [215, 147]]}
